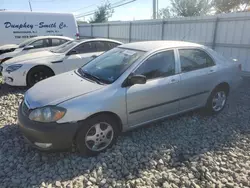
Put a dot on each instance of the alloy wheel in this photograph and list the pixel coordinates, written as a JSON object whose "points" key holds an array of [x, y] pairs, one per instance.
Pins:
{"points": [[99, 136], [219, 101], [38, 76]]}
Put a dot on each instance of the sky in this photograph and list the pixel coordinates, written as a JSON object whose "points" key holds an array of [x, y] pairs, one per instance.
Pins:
{"points": [[138, 10]]}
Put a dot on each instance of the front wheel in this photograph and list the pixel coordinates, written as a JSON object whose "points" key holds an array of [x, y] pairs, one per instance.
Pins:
{"points": [[38, 74], [97, 134], [217, 101]]}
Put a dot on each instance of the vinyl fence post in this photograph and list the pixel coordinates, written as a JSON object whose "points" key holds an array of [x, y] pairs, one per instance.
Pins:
{"points": [[108, 30], [215, 33], [130, 30], [162, 30]]}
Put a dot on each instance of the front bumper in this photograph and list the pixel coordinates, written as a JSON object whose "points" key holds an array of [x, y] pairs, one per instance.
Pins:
{"points": [[56, 136], [16, 78]]}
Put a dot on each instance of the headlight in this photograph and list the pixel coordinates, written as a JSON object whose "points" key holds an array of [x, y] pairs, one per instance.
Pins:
{"points": [[13, 68], [47, 114]]}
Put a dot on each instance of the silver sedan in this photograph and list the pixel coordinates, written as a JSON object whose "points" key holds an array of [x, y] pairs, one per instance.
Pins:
{"points": [[126, 87]]}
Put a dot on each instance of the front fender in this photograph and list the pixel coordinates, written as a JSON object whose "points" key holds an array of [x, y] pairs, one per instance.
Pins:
{"points": [[80, 108]]}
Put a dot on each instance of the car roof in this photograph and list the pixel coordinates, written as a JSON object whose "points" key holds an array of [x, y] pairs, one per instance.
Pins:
{"points": [[100, 39], [157, 45], [57, 37]]}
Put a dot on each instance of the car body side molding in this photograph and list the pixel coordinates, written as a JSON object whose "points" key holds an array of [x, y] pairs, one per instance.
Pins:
{"points": [[168, 102]]}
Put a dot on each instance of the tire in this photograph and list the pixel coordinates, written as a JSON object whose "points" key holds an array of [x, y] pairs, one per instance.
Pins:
{"points": [[216, 101], [89, 139], [38, 74]]}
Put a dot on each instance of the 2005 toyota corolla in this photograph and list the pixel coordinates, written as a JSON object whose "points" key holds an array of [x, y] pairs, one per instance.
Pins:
{"points": [[128, 86]]}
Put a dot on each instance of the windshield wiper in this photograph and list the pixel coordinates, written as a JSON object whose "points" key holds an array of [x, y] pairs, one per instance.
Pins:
{"points": [[92, 77]]}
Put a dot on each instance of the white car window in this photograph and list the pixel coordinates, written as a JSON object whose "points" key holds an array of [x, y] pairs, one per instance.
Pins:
{"points": [[57, 42], [43, 43]]}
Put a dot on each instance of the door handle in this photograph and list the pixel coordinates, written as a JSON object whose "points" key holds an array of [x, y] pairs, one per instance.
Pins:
{"points": [[94, 56]]}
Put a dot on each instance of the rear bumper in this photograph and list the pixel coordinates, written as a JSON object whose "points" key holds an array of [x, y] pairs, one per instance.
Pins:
{"points": [[57, 136]]}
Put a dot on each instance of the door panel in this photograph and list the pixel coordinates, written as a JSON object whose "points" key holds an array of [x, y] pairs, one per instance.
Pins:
{"points": [[159, 96], [197, 74], [155, 99], [194, 89]]}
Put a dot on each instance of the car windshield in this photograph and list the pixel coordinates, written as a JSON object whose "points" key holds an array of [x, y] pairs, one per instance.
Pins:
{"points": [[26, 42], [65, 47], [109, 66]]}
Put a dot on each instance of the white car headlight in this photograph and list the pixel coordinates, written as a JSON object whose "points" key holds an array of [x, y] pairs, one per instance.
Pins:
{"points": [[47, 114], [13, 68]]}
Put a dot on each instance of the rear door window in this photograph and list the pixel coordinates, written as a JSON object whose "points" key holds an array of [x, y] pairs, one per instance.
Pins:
{"points": [[57, 42], [100, 47], [87, 47], [110, 45], [194, 59]]}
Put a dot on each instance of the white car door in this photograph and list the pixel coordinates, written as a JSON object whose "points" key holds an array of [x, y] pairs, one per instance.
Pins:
{"points": [[81, 55]]}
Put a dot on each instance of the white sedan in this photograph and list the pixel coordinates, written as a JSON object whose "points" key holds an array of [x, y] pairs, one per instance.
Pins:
{"points": [[27, 70], [34, 44]]}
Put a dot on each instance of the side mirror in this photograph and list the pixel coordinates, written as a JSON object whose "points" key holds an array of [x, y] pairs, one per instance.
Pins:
{"points": [[72, 52], [135, 79], [29, 47]]}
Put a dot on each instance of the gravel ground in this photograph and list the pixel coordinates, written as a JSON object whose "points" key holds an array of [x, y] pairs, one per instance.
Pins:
{"points": [[185, 151]]}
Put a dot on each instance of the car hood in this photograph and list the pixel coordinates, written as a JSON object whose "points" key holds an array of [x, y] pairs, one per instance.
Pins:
{"points": [[34, 56], [8, 46], [10, 54], [58, 89]]}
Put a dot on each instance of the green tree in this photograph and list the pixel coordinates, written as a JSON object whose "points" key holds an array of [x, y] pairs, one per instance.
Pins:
{"points": [[226, 6], [164, 13], [245, 5], [103, 13], [188, 8]]}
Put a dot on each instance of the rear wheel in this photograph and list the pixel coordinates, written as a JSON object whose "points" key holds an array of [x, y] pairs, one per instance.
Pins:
{"points": [[217, 101], [97, 134], [38, 74]]}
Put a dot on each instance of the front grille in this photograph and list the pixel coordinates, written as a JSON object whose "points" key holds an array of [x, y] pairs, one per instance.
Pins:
{"points": [[25, 109]]}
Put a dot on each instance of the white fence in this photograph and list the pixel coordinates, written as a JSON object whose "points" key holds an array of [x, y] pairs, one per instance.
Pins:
{"points": [[229, 34]]}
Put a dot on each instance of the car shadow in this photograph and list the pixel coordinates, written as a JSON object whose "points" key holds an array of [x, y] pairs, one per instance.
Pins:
{"points": [[6, 89], [177, 140]]}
